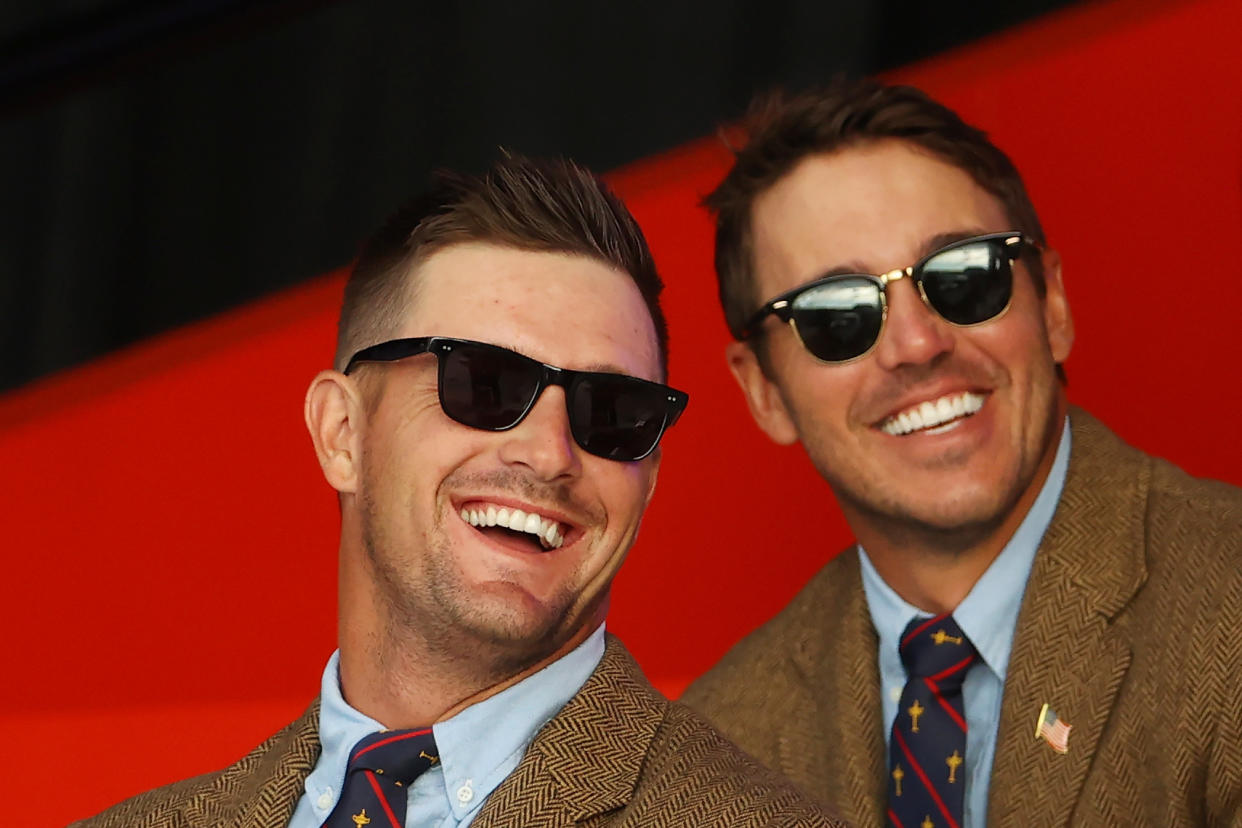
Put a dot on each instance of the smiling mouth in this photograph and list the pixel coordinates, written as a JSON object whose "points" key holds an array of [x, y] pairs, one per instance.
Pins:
{"points": [[515, 524], [934, 416]]}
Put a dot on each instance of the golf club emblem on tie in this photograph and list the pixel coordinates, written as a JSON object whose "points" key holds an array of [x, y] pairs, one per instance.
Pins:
{"points": [[381, 767], [915, 710], [928, 746]]}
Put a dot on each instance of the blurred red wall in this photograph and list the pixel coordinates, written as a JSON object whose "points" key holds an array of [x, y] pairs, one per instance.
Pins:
{"points": [[170, 543]]}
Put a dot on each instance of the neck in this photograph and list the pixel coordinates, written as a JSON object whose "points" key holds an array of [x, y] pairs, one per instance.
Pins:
{"points": [[402, 690], [405, 678], [934, 568]]}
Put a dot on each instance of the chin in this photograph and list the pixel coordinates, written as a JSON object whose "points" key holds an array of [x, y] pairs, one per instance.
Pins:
{"points": [[970, 517], [963, 516], [509, 617]]}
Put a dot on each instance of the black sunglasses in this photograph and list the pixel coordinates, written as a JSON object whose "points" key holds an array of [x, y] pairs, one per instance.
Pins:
{"points": [[839, 318], [492, 388]]}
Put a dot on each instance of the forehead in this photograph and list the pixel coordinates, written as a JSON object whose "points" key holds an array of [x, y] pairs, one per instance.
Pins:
{"points": [[563, 309], [871, 208]]}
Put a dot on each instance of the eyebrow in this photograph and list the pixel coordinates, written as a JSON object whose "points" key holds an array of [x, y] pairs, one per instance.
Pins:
{"points": [[929, 246]]}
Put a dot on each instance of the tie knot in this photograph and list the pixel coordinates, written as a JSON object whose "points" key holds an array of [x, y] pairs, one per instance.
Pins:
{"points": [[937, 649], [397, 755]]}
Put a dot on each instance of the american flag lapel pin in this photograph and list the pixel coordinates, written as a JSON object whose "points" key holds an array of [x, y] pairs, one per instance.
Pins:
{"points": [[1053, 730]]}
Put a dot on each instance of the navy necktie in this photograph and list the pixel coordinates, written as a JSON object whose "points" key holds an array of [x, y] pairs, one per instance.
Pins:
{"points": [[927, 783], [381, 768]]}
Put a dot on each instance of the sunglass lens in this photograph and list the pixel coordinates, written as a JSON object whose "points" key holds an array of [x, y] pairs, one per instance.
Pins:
{"points": [[841, 319], [616, 417], [486, 387], [969, 284]]}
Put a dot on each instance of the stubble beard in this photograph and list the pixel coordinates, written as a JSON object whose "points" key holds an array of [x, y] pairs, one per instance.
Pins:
{"points": [[490, 636], [955, 528]]}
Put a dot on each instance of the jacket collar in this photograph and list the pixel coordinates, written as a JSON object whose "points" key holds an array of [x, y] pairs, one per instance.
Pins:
{"points": [[588, 758], [1067, 653], [265, 785], [837, 660]]}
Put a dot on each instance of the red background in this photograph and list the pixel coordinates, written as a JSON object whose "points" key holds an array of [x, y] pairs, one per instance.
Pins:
{"points": [[170, 544]]}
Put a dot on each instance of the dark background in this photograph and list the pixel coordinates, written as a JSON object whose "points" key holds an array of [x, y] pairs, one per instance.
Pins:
{"points": [[161, 162]]}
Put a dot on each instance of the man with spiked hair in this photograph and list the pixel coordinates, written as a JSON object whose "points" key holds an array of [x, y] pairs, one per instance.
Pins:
{"points": [[492, 427]]}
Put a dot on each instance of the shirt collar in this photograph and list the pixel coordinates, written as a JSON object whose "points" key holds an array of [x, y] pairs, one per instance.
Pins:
{"points": [[482, 744], [989, 612]]}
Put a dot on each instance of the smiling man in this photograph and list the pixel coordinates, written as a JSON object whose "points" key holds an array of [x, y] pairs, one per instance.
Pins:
{"points": [[492, 427], [1038, 625]]}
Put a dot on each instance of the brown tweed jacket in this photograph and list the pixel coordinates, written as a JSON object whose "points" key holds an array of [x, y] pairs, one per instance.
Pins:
{"points": [[618, 754], [1130, 629]]}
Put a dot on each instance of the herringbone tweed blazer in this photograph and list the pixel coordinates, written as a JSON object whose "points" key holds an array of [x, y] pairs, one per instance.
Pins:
{"points": [[1130, 630], [618, 754]]}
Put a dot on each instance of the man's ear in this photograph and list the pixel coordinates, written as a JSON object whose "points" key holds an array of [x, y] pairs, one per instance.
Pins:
{"points": [[655, 474], [763, 396], [1058, 320], [334, 416]]}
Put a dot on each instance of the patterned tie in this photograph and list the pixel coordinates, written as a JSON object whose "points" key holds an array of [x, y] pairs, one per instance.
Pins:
{"points": [[926, 783], [381, 767]]}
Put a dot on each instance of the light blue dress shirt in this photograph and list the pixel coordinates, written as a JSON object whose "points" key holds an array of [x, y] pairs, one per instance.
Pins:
{"points": [[988, 615], [478, 747]]}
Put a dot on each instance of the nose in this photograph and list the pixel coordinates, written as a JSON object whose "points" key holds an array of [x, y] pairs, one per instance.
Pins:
{"points": [[542, 441], [913, 333]]}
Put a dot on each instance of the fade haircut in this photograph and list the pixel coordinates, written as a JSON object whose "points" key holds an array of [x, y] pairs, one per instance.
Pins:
{"points": [[782, 130], [541, 205]]}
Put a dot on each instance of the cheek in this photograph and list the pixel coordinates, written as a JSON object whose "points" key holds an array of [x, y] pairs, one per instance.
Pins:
{"points": [[626, 490], [822, 399]]}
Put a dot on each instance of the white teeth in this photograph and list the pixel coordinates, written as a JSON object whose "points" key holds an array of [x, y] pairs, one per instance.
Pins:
{"points": [[547, 531], [933, 413]]}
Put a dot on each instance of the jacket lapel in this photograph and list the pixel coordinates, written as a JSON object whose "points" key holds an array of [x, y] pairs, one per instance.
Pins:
{"points": [[263, 788], [838, 747], [1066, 653], [586, 761]]}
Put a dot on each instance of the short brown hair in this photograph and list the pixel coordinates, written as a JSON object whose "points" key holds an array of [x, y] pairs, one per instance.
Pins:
{"points": [[782, 130], [523, 203]]}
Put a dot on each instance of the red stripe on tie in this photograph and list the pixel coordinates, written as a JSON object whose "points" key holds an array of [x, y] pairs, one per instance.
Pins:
{"points": [[948, 671], [922, 627], [389, 741], [948, 708], [894, 818], [935, 795], [392, 818]]}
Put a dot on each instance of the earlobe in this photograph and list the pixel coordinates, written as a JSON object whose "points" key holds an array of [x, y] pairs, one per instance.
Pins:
{"points": [[767, 406], [1058, 320], [334, 413]]}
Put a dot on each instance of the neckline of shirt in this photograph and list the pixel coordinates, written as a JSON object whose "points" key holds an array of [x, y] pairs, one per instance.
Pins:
{"points": [[478, 747], [988, 614]]}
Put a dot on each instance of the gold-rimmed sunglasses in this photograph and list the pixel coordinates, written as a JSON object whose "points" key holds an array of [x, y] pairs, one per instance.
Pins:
{"points": [[839, 318]]}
